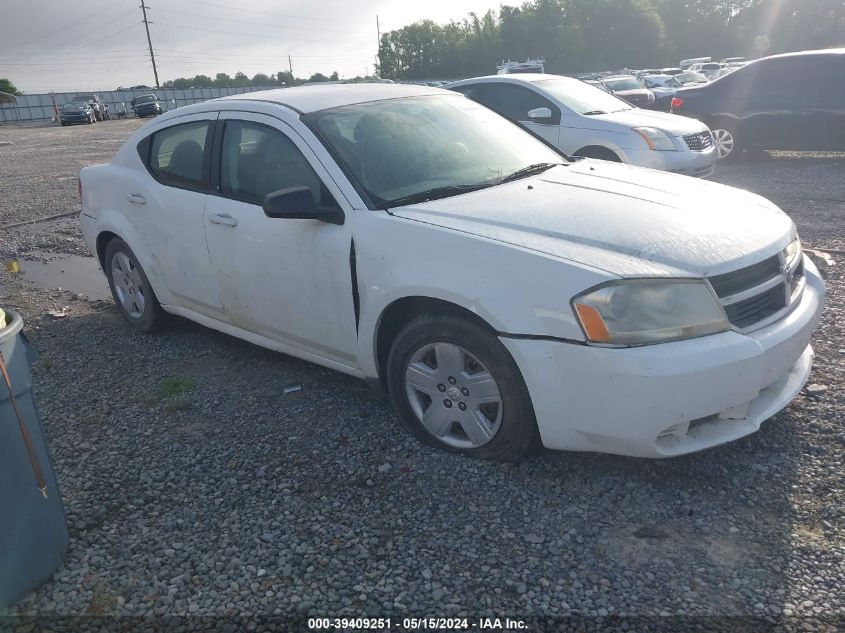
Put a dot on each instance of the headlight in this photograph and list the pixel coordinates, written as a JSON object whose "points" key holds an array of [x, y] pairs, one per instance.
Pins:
{"points": [[643, 311], [655, 139], [792, 250]]}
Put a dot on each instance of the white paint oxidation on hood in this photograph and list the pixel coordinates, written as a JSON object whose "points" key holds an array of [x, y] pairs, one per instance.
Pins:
{"points": [[622, 219]]}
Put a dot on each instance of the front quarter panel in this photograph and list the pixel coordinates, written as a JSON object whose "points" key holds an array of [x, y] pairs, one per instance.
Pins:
{"points": [[516, 291]]}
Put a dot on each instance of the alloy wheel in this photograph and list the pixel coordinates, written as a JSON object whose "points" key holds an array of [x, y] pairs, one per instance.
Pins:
{"points": [[454, 396], [128, 285], [724, 143]]}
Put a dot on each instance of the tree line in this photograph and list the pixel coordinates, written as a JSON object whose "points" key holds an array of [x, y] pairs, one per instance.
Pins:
{"points": [[241, 80], [594, 35]]}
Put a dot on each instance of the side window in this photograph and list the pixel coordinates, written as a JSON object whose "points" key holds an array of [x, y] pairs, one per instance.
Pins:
{"points": [[515, 101], [176, 154], [256, 160]]}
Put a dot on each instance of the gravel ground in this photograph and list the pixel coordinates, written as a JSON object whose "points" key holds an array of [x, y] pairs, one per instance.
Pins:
{"points": [[194, 485]]}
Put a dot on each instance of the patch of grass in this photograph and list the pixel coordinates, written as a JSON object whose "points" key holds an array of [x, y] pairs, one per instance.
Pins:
{"points": [[173, 389]]}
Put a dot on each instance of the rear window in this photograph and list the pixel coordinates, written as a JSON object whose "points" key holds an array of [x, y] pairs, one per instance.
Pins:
{"points": [[175, 156]]}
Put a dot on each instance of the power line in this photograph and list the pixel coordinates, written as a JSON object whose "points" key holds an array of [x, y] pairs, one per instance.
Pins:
{"points": [[281, 15], [250, 35], [264, 23]]}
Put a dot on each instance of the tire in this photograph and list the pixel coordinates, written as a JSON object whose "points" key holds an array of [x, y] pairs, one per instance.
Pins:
{"points": [[726, 141], [439, 361], [600, 153], [130, 288]]}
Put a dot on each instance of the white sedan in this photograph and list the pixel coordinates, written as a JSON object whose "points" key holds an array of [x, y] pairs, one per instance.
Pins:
{"points": [[499, 293], [583, 120]]}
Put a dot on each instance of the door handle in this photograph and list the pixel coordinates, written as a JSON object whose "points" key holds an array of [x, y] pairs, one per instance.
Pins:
{"points": [[136, 198], [222, 218]]}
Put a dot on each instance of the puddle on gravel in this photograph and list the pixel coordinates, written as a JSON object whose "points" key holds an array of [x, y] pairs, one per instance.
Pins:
{"points": [[73, 273]]}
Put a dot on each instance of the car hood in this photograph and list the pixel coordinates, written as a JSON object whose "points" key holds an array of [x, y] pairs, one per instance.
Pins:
{"points": [[672, 123], [624, 220]]}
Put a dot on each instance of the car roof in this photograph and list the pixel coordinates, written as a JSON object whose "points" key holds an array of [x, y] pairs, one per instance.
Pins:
{"points": [[618, 77], [821, 51], [307, 99]]}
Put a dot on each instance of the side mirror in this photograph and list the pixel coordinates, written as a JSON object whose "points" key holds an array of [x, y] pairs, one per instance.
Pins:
{"points": [[540, 115], [296, 203]]}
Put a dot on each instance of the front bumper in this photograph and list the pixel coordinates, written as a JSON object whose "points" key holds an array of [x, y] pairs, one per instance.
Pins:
{"points": [[684, 161], [672, 398]]}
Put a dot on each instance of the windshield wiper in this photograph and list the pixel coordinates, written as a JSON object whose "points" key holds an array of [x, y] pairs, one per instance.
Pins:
{"points": [[594, 112], [433, 194], [536, 168]]}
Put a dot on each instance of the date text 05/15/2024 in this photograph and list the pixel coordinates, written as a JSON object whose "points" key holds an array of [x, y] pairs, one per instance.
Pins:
{"points": [[416, 624]]}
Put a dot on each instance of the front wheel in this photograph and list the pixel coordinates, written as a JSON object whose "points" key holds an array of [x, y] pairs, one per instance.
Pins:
{"points": [[130, 287], [456, 387]]}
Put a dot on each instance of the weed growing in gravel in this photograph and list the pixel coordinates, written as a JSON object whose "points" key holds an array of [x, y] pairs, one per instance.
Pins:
{"points": [[173, 390]]}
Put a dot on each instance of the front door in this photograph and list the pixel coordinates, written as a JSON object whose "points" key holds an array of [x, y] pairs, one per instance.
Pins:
{"points": [[515, 102], [285, 279]]}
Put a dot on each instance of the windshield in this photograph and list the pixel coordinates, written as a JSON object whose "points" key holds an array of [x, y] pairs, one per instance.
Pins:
{"points": [[626, 83], [146, 99], [660, 80], [399, 148], [73, 106], [581, 97]]}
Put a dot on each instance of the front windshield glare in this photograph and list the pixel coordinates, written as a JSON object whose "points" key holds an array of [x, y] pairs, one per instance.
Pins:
{"points": [[581, 97], [398, 148]]}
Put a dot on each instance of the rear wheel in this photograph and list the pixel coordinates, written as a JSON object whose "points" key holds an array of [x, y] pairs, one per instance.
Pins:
{"points": [[130, 287], [456, 387]]}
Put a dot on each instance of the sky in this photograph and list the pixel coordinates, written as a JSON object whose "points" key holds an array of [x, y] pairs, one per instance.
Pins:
{"points": [[69, 45]]}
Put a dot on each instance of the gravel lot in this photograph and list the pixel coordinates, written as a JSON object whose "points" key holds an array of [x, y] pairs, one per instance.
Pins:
{"points": [[194, 485]]}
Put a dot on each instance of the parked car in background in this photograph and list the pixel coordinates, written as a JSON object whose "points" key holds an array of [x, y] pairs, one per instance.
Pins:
{"points": [[70, 113], [528, 66], [387, 231], [146, 105], [597, 84], [733, 60], [708, 69], [728, 68], [582, 120], [671, 71], [101, 110], [688, 78], [686, 63], [663, 87], [794, 101], [630, 89]]}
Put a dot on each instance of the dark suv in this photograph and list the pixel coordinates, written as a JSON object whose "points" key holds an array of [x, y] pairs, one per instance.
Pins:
{"points": [[146, 105], [101, 110], [794, 101]]}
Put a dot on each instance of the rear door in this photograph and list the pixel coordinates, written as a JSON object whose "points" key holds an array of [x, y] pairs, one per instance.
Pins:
{"points": [[165, 206]]}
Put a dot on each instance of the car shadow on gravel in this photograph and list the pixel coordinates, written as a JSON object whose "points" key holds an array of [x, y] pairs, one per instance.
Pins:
{"points": [[184, 445]]}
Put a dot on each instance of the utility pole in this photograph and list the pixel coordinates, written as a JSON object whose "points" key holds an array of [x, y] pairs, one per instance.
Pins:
{"points": [[290, 67], [149, 41], [378, 42]]}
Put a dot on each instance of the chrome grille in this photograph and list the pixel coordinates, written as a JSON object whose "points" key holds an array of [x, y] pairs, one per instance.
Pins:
{"points": [[699, 142], [758, 294]]}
